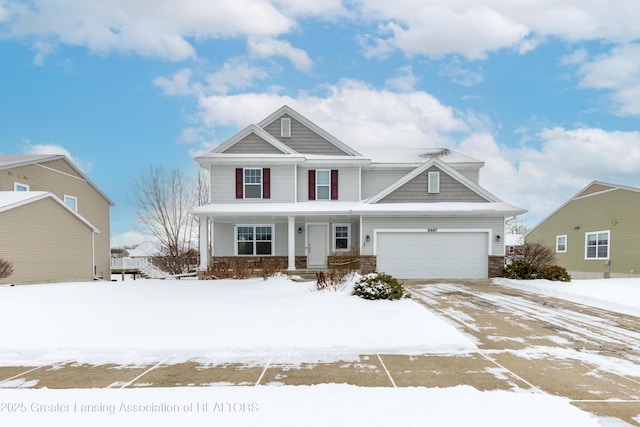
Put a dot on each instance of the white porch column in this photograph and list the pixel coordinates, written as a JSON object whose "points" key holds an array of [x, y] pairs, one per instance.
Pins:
{"points": [[204, 242], [292, 243]]}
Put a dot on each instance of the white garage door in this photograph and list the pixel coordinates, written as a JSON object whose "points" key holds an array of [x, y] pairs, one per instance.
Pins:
{"points": [[441, 255]]}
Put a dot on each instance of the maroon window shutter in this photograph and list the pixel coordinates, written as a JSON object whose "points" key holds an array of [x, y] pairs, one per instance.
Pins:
{"points": [[334, 184], [312, 184], [239, 183], [266, 183]]}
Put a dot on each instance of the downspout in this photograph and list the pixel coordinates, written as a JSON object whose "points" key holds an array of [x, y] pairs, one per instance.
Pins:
{"points": [[93, 256]]}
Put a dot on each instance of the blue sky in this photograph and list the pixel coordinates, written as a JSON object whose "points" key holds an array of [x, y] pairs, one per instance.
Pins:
{"points": [[546, 93]]}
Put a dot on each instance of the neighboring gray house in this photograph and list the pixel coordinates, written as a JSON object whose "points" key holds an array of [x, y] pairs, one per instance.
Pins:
{"points": [[287, 188]]}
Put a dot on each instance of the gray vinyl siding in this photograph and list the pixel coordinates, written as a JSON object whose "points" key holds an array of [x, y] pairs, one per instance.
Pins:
{"points": [[223, 184], [45, 243], [58, 177], [415, 190], [376, 180], [348, 183], [252, 144], [303, 140], [224, 239], [473, 175], [496, 224]]}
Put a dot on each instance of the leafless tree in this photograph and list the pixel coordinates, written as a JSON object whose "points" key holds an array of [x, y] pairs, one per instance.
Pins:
{"points": [[536, 253], [163, 200], [6, 269], [516, 225]]}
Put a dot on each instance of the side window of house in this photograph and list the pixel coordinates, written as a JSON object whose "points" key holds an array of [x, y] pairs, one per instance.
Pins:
{"points": [[323, 184], [597, 245], [20, 187], [561, 243], [71, 201], [254, 239], [341, 237], [285, 127]]}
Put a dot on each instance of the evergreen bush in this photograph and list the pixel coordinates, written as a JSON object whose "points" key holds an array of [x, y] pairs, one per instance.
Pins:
{"points": [[555, 273], [379, 286]]}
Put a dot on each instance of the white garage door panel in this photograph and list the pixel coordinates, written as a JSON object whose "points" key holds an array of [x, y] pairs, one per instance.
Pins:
{"points": [[443, 255]]}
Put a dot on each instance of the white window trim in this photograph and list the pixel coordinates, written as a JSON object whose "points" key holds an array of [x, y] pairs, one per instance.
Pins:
{"points": [[285, 127], [235, 238], [19, 184], [328, 185], [558, 237], [433, 186], [586, 239], [244, 184], [333, 237], [74, 198]]}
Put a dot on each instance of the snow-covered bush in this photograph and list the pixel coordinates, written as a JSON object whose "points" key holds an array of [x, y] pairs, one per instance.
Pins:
{"points": [[378, 285]]}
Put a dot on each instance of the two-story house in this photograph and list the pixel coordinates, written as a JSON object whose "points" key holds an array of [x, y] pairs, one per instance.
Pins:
{"points": [[54, 222], [287, 188]]}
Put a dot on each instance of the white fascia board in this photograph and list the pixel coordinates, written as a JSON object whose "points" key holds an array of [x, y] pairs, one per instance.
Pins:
{"points": [[266, 136], [249, 159]]}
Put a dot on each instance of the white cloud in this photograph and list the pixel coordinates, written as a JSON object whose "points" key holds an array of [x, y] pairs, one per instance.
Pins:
{"points": [[158, 28], [459, 74], [263, 47], [83, 165], [619, 73], [440, 27], [179, 84], [404, 81], [236, 74]]}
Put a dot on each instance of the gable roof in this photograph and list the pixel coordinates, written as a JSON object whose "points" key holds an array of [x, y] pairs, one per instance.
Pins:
{"points": [[8, 161], [593, 189], [434, 161], [285, 109], [259, 132], [14, 199]]}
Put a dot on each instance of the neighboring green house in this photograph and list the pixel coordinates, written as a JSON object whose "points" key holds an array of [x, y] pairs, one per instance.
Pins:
{"points": [[596, 233]]}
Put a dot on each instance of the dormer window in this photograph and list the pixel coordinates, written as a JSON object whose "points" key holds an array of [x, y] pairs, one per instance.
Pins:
{"points": [[285, 127], [434, 182]]}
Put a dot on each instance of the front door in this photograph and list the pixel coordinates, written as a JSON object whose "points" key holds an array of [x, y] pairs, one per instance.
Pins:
{"points": [[317, 245]]}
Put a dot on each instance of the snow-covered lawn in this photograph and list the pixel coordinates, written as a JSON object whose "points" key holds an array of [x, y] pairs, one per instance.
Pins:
{"points": [[619, 295], [152, 320]]}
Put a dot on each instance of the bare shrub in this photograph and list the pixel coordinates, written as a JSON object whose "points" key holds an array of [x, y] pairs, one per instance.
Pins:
{"points": [[536, 253], [6, 269]]}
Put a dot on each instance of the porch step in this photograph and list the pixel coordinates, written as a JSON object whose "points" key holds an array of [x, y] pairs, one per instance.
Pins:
{"points": [[305, 274]]}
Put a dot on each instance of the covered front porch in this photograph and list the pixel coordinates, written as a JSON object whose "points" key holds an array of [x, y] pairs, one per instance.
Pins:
{"points": [[302, 240]]}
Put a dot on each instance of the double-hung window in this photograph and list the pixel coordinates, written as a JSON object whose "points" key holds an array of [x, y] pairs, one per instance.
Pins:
{"points": [[323, 184], [597, 245], [252, 183], [254, 239], [341, 237], [561, 243]]}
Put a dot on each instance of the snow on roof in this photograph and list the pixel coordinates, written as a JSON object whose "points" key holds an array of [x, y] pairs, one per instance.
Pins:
{"points": [[146, 248], [12, 160], [514, 239], [419, 155], [358, 208]]}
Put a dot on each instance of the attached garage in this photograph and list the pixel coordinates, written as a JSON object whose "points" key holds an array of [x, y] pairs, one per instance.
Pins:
{"points": [[410, 254]]}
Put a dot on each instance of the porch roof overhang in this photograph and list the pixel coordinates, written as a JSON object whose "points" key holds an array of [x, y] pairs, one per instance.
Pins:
{"points": [[335, 208]]}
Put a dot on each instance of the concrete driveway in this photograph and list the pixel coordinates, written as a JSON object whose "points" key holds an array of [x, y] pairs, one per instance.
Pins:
{"points": [[525, 342]]}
